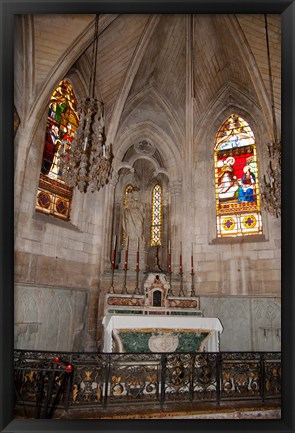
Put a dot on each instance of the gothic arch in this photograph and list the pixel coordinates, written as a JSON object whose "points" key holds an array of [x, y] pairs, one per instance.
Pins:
{"points": [[169, 151]]}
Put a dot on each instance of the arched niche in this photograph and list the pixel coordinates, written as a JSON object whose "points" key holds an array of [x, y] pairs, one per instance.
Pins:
{"points": [[141, 170]]}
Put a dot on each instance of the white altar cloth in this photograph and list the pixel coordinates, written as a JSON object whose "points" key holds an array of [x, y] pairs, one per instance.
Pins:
{"points": [[117, 321]]}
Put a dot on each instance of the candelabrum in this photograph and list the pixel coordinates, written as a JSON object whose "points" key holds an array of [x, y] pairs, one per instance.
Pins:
{"points": [[271, 184], [87, 162]]}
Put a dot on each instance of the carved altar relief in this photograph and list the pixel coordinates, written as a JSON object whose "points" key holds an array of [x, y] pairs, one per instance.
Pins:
{"points": [[163, 343]]}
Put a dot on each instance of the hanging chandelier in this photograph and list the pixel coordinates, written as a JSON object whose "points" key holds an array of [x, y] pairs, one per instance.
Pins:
{"points": [[271, 184], [87, 163]]}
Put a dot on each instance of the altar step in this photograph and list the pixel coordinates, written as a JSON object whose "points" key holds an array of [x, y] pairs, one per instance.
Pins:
{"points": [[238, 410]]}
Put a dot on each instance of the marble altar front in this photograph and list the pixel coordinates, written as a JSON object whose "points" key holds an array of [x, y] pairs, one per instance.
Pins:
{"points": [[152, 333]]}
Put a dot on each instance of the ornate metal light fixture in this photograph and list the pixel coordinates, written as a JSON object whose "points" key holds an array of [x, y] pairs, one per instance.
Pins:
{"points": [[271, 184], [87, 164]]}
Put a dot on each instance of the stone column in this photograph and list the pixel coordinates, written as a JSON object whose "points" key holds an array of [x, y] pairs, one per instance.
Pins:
{"points": [[175, 223]]}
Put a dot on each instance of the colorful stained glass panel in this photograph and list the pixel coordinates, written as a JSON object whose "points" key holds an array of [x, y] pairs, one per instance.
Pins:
{"points": [[62, 123], [156, 226], [236, 178]]}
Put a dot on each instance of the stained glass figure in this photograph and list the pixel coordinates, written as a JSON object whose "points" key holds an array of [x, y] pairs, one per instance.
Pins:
{"points": [[128, 189], [156, 226], [236, 179], [62, 123]]}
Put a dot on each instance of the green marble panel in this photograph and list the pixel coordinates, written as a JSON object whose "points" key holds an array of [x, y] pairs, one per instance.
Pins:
{"points": [[138, 341], [185, 313], [125, 311]]}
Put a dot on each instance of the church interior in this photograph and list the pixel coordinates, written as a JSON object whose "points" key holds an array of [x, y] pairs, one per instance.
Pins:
{"points": [[147, 183]]}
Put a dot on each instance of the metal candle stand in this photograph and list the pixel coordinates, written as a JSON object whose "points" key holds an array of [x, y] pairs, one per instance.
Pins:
{"points": [[124, 288], [113, 265], [192, 286], [181, 292]]}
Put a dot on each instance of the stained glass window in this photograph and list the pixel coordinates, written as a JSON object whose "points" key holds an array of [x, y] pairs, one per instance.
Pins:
{"points": [[128, 189], [156, 226], [54, 196], [236, 180]]}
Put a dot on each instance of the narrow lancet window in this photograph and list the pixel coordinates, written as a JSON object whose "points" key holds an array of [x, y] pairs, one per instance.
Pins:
{"points": [[156, 226]]}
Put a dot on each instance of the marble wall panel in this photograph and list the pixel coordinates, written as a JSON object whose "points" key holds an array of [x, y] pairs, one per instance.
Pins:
{"points": [[48, 318], [249, 323]]}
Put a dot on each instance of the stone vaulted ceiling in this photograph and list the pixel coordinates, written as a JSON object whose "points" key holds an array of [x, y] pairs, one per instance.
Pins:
{"points": [[144, 62]]}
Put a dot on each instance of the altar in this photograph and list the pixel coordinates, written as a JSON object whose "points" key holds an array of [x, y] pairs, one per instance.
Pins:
{"points": [[153, 333], [157, 321]]}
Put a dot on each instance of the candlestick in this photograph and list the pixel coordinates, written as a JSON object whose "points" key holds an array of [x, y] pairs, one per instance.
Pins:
{"points": [[169, 268], [192, 273], [137, 269], [113, 264], [181, 293], [113, 259], [124, 290], [126, 254]]}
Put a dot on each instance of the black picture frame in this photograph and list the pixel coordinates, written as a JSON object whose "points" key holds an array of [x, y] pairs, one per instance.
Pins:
{"points": [[8, 9]]}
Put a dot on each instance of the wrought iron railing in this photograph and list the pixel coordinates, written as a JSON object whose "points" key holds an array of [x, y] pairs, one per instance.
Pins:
{"points": [[46, 381]]}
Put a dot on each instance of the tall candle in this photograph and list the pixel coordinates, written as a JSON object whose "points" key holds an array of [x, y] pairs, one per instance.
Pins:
{"points": [[137, 244], [169, 246], [192, 260], [126, 254], [114, 252]]}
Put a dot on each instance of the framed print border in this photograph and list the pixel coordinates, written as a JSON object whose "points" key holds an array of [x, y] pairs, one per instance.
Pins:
{"points": [[8, 9]]}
